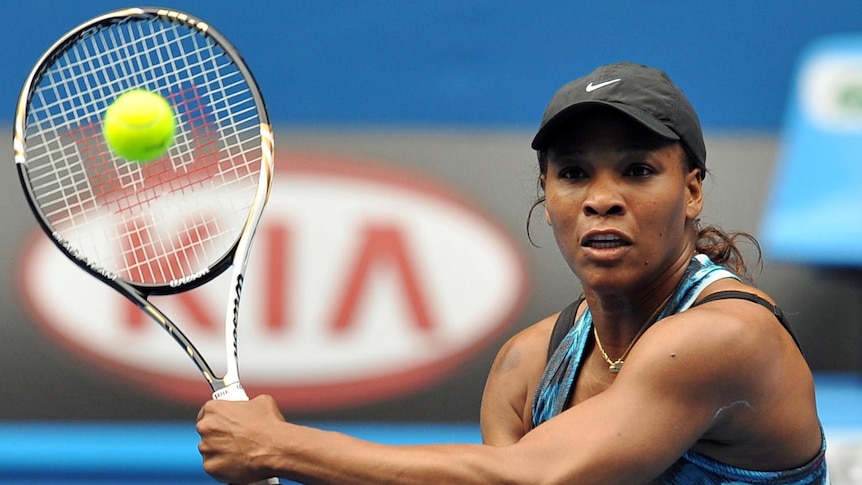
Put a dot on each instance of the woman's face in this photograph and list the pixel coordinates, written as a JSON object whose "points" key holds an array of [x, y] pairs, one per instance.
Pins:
{"points": [[621, 201]]}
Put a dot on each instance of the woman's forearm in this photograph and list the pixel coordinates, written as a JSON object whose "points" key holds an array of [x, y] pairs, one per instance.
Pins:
{"points": [[314, 456]]}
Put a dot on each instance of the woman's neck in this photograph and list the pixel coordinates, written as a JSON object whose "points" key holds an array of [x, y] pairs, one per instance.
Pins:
{"points": [[619, 314]]}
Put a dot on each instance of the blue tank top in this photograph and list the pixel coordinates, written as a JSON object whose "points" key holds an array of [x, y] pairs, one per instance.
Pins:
{"points": [[556, 385]]}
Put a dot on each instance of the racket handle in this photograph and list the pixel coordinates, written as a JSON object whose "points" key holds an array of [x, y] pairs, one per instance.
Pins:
{"points": [[235, 392]]}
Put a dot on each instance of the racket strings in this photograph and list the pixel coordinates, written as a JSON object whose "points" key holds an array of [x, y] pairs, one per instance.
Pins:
{"points": [[167, 220]]}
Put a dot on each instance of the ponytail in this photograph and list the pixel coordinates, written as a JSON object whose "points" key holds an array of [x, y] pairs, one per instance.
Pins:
{"points": [[722, 249]]}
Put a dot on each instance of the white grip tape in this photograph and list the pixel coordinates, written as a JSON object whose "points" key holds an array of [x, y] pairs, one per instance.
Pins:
{"points": [[233, 392]]}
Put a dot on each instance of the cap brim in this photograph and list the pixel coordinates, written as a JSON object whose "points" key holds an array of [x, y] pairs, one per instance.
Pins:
{"points": [[546, 134]]}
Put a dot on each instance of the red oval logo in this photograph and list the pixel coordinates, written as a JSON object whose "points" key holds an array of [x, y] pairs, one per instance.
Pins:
{"points": [[365, 282]]}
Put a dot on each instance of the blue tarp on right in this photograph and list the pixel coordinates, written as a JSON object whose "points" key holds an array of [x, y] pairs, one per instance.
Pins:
{"points": [[814, 208]]}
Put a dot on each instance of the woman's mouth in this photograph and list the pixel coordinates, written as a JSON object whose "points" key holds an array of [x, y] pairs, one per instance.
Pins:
{"points": [[605, 241]]}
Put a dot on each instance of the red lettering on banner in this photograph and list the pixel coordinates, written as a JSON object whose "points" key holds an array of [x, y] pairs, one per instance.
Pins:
{"points": [[276, 246], [381, 246], [132, 316]]}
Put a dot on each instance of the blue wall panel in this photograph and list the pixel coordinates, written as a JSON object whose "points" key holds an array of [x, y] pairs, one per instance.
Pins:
{"points": [[484, 62]]}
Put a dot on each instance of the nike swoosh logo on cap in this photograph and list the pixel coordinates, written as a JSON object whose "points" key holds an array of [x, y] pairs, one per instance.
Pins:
{"points": [[592, 87]]}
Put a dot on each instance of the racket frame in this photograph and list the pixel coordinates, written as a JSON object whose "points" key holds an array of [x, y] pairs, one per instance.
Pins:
{"points": [[227, 386]]}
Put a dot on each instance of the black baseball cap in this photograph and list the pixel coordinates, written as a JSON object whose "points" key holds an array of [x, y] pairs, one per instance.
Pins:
{"points": [[646, 94]]}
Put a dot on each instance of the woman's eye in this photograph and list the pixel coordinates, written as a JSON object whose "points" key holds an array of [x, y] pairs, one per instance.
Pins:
{"points": [[572, 173], [640, 170]]}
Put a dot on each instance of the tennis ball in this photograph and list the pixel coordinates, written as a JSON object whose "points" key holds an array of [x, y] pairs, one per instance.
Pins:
{"points": [[139, 125]]}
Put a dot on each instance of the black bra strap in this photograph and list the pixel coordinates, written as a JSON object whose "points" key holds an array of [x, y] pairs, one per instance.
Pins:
{"points": [[565, 321], [743, 295]]}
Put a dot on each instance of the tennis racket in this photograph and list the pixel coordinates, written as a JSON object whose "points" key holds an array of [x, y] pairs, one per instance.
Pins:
{"points": [[165, 226]]}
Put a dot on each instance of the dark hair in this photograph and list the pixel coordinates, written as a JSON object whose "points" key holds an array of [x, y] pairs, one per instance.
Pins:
{"points": [[719, 245], [722, 249]]}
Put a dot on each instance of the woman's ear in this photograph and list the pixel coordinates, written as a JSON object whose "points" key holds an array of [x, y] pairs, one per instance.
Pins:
{"points": [[694, 193], [544, 205]]}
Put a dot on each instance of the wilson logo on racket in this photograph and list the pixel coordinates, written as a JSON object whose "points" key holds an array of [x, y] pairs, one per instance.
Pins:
{"points": [[236, 300], [366, 283]]}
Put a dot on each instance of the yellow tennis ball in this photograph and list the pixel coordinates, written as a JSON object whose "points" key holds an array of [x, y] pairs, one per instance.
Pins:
{"points": [[139, 125]]}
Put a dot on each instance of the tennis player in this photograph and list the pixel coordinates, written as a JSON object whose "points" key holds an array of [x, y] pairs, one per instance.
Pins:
{"points": [[670, 368]]}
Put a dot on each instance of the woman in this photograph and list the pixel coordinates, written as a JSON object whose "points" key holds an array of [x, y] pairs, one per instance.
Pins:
{"points": [[670, 369]]}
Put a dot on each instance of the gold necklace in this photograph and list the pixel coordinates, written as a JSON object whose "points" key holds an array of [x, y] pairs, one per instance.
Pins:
{"points": [[614, 366]]}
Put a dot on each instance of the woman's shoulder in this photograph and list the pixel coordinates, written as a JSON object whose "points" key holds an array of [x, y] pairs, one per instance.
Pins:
{"points": [[537, 337], [532, 339], [735, 329]]}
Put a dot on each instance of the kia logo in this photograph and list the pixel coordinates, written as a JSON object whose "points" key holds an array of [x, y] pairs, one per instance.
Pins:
{"points": [[365, 282]]}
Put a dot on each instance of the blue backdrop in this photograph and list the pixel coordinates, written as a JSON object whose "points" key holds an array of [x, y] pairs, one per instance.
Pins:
{"points": [[486, 63]]}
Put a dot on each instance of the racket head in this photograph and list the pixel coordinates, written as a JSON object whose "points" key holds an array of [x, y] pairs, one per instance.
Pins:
{"points": [[164, 226]]}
